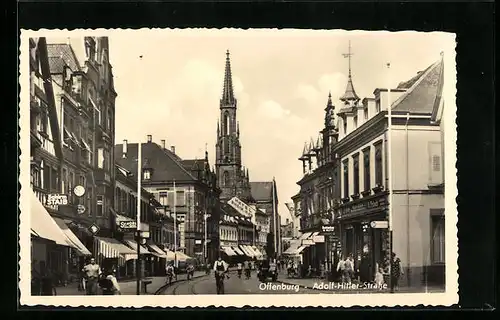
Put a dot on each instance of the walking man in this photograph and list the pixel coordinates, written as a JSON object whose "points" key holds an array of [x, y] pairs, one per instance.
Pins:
{"points": [[92, 271]]}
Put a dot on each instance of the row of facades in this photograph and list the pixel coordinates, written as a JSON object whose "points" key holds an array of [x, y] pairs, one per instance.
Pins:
{"points": [[86, 184], [343, 204]]}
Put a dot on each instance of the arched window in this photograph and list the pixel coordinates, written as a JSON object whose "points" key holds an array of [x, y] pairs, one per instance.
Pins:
{"points": [[225, 130], [226, 178]]}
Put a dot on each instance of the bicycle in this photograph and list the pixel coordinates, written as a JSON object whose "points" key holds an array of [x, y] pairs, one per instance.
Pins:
{"points": [[220, 281]]}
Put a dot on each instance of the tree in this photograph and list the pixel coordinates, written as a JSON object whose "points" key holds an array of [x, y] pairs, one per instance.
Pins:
{"points": [[270, 250]]}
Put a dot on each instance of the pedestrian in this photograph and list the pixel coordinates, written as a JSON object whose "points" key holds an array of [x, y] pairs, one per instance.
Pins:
{"points": [[321, 270], [48, 287], [340, 269], [396, 271], [364, 268], [108, 283], [348, 270], [379, 277], [92, 272]]}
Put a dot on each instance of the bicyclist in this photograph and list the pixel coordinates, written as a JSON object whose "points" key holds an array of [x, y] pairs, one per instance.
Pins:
{"points": [[220, 268], [170, 272]]}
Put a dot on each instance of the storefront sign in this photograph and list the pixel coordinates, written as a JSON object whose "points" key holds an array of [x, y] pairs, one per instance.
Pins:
{"points": [[241, 207], [94, 229], [319, 239], [128, 225], [363, 205], [79, 191], [197, 241], [54, 200]]}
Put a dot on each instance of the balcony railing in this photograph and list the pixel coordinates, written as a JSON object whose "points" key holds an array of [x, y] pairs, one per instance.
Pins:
{"points": [[47, 144]]}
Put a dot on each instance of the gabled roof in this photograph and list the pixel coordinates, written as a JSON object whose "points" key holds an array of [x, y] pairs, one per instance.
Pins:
{"points": [[61, 55], [166, 166], [424, 94], [262, 191]]}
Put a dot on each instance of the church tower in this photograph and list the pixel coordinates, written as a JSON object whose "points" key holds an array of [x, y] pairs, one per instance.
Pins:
{"points": [[231, 178]]}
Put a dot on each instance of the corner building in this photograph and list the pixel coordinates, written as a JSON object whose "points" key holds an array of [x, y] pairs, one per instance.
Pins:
{"points": [[417, 163]]}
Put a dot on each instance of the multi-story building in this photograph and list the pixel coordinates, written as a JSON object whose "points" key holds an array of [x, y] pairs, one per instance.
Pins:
{"points": [[54, 246], [417, 194], [265, 199], [228, 234], [187, 188], [262, 222]]}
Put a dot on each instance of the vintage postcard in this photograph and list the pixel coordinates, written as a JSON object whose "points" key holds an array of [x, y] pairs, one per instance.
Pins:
{"points": [[227, 167]]}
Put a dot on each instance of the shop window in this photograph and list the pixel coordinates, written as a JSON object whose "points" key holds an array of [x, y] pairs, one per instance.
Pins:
{"points": [[355, 159], [366, 169], [438, 239], [378, 164], [100, 206]]}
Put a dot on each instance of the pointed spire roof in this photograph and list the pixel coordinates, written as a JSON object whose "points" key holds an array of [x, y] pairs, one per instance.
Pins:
{"points": [[312, 147], [218, 129], [350, 93], [305, 152], [227, 91], [238, 128], [329, 103], [319, 143]]}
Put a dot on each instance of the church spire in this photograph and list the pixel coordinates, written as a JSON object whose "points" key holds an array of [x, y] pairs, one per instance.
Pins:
{"points": [[350, 93], [227, 91]]}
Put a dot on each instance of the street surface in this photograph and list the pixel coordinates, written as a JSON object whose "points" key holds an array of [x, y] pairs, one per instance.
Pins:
{"points": [[234, 285]]}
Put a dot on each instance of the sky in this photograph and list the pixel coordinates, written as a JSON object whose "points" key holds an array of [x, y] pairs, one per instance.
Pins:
{"points": [[281, 80]]}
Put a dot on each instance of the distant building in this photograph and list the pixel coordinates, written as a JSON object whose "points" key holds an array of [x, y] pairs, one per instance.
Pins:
{"points": [[194, 196]]}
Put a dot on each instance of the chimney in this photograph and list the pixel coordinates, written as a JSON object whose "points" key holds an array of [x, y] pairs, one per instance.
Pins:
{"points": [[124, 150], [172, 148], [150, 138], [163, 144]]}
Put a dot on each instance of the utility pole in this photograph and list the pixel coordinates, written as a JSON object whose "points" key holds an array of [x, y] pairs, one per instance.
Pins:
{"points": [[389, 172], [138, 238]]}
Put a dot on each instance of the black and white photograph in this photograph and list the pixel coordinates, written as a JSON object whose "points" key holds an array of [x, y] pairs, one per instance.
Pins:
{"points": [[237, 167]]}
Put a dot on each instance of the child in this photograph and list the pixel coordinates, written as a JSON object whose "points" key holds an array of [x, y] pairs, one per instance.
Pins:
{"points": [[379, 277]]}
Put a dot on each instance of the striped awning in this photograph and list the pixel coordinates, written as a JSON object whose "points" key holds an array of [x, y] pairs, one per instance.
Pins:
{"points": [[250, 250], [112, 248], [246, 251], [157, 251], [227, 250], [238, 251], [133, 245], [257, 251]]}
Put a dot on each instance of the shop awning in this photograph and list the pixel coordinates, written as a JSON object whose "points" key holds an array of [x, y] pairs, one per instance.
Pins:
{"points": [[170, 255], [292, 250], [238, 251], [228, 251], [301, 248], [44, 226], [133, 245], [257, 251], [181, 256], [80, 247], [247, 251], [112, 248], [157, 251], [250, 249], [313, 235], [305, 235]]}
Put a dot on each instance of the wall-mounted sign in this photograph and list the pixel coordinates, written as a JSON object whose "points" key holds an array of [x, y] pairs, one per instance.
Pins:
{"points": [[128, 225], [56, 200], [319, 239], [79, 191], [80, 209], [379, 224], [197, 241], [363, 206], [241, 207]]}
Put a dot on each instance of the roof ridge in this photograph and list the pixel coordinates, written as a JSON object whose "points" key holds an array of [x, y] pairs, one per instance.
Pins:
{"points": [[415, 84], [177, 163]]}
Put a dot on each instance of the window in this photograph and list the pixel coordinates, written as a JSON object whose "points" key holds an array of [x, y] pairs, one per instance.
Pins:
{"points": [[100, 158], [53, 180], [226, 178], [438, 239], [366, 169], [355, 159], [225, 129], [100, 206], [147, 174], [378, 164], [163, 198], [365, 112], [355, 122], [64, 180], [436, 163], [346, 178], [43, 118], [345, 125], [109, 120], [35, 176], [180, 198], [89, 200], [377, 106]]}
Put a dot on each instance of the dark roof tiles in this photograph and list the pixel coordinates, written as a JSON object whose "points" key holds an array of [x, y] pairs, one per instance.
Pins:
{"points": [[61, 55], [262, 191]]}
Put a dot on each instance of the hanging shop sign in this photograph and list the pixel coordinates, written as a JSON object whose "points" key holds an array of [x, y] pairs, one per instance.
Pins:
{"points": [[79, 191], [80, 209], [327, 229], [384, 224], [364, 205], [94, 229], [128, 225]]}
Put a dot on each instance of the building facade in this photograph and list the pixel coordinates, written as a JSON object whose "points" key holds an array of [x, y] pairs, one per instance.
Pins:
{"points": [[186, 188], [417, 200]]}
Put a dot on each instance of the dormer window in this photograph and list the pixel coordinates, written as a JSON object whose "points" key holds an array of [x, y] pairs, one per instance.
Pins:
{"points": [[377, 105], [146, 174], [365, 113], [355, 122], [345, 125]]}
